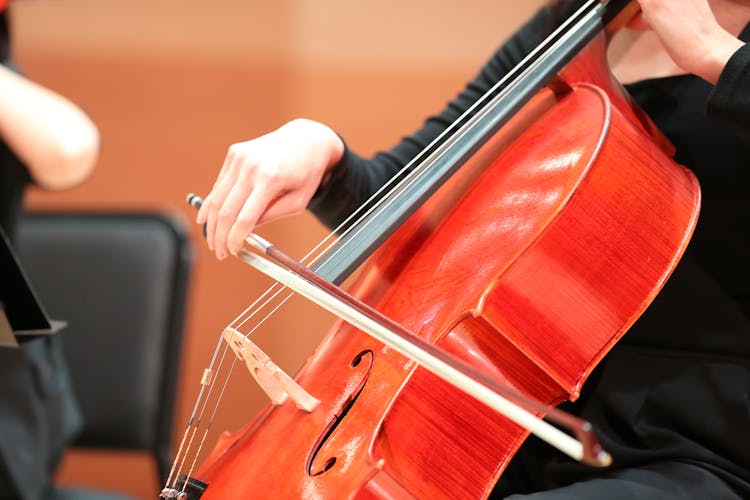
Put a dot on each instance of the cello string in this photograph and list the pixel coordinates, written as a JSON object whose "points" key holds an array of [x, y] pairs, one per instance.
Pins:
{"points": [[450, 369], [192, 422], [204, 396], [208, 424], [418, 166], [207, 389], [195, 421], [407, 176]]}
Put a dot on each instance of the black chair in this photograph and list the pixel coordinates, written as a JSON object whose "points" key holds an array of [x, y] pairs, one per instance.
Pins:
{"points": [[120, 281]]}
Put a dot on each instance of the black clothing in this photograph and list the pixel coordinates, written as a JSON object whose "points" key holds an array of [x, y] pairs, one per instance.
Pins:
{"points": [[4, 45], [13, 179], [670, 401], [38, 413], [13, 175]]}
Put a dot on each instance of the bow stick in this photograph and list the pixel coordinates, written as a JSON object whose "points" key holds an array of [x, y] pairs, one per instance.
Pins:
{"points": [[584, 447]]}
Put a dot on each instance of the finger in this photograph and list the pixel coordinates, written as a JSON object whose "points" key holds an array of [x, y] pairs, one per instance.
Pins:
{"points": [[210, 224], [216, 202], [639, 23], [290, 203], [202, 216], [247, 218], [227, 214], [202, 211]]}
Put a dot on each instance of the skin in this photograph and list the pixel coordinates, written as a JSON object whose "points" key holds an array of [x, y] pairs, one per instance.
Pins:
{"points": [[267, 178], [701, 42], [53, 137], [276, 174]]}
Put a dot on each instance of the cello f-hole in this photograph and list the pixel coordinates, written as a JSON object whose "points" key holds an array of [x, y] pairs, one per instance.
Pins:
{"points": [[338, 417]]}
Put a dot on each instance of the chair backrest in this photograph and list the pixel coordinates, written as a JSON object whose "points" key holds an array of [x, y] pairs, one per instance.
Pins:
{"points": [[120, 281]]}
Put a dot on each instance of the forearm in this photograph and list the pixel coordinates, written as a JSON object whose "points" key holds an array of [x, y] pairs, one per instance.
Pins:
{"points": [[54, 138]]}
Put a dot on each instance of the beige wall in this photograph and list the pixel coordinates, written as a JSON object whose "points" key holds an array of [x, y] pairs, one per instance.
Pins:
{"points": [[172, 83]]}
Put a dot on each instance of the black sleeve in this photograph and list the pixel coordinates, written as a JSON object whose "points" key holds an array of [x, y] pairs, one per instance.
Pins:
{"points": [[4, 36], [730, 98], [14, 177], [13, 181], [355, 178]]}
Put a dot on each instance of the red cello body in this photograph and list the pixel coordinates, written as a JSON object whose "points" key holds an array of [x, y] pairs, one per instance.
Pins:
{"points": [[530, 264]]}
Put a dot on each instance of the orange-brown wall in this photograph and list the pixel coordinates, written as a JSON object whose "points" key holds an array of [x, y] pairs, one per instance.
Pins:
{"points": [[172, 83]]}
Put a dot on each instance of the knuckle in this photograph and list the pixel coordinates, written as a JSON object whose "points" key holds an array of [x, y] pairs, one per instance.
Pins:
{"points": [[225, 215], [235, 237], [269, 174], [244, 222], [210, 204]]}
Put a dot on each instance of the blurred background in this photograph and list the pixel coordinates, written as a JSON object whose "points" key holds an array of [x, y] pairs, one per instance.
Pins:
{"points": [[172, 83]]}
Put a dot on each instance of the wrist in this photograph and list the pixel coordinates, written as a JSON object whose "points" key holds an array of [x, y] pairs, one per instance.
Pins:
{"points": [[715, 59], [332, 148]]}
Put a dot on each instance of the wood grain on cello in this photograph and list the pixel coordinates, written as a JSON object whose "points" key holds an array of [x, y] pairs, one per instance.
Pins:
{"points": [[528, 264]]}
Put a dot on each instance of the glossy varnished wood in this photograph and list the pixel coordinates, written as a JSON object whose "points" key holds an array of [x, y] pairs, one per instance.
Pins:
{"points": [[544, 252]]}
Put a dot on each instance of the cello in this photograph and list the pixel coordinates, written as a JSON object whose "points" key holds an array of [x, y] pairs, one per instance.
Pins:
{"points": [[524, 244]]}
